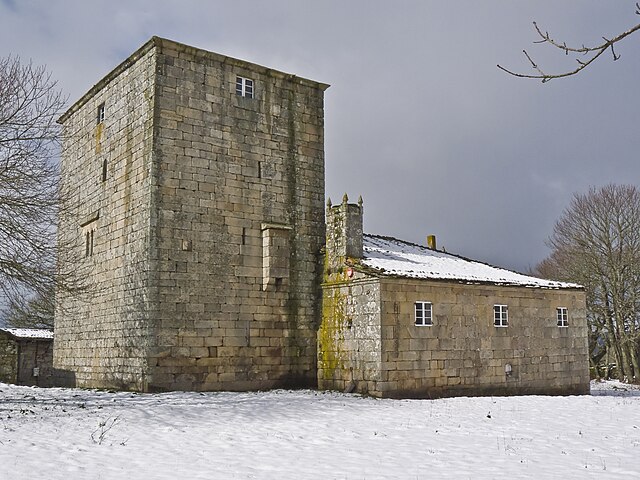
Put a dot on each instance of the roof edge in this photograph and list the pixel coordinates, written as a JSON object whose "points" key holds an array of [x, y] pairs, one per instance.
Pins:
{"points": [[165, 42], [394, 276], [160, 42], [384, 274], [28, 333], [130, 60]]}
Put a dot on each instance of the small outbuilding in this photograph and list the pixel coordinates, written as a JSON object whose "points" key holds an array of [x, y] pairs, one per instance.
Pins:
{"points": [[405, 320], [26, 356]]}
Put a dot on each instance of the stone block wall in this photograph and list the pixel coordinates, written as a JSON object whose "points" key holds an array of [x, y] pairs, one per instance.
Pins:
{"points": [[101, 337], [350, 335], [344, 233], [463, 353], [20, 356], [8, 359], [368, 341], [35, 354], [197, 215], [239, 206]]}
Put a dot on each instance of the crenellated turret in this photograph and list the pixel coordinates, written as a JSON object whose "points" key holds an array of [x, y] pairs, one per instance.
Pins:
{"points": [[344, 231]]}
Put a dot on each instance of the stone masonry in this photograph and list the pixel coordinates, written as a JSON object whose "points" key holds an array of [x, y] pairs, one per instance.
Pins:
{"points": [[368, 340], [26, 357], [198, 181], [8, 359], [196, 186]]}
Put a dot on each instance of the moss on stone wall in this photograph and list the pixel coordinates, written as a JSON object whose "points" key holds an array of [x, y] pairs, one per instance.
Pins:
{"points": [[331, 334], [8, 359]]}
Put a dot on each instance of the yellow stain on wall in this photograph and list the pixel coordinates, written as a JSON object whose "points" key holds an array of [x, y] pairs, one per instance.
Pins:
{"points": [[99, 129]]}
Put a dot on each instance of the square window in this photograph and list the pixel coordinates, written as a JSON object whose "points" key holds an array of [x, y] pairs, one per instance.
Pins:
{"points": [[423, 314], [562, 315], [500, 315], [244, 87], [100, 114]]}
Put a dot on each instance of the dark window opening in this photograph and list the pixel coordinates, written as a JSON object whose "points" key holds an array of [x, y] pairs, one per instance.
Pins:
{"points": [[104, 171], [88, 243]]}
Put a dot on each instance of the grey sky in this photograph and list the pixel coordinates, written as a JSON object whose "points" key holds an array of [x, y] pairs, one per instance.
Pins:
{"points": [[419, 120]]}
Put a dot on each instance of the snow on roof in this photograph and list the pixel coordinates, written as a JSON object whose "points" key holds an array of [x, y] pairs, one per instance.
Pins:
{"points": [[29, 332], [394, 257]]}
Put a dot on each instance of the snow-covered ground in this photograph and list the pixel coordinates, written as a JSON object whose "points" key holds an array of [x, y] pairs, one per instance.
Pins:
{"points": [[79, 434]]}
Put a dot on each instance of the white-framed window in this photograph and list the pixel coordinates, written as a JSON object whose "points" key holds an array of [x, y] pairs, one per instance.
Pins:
{"points": [[244, 87], [562, 314], [500, 315], [100, 114], [423, 314]]}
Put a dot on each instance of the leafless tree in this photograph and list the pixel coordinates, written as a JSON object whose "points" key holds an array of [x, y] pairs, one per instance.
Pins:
{"points": [[33, 310], [596, 242], [30, 200], [590, 54]]}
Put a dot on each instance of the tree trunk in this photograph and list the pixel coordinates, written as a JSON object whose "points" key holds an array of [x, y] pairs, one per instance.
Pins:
{"points": [[594, 365], [633, 354], [614, 339]]}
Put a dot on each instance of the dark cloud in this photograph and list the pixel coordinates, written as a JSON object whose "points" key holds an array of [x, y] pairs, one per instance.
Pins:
{"points": [[9, 4], [418, 119]]}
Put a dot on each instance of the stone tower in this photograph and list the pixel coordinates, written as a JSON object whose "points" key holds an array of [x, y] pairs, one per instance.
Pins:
{"points": [[198, 185], [344, 232]]}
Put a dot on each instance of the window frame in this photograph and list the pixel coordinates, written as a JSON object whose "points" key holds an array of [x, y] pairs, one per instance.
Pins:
{"points": [[500, 315], [245, 87], [420, 314], [562, 317], [100, 114]]}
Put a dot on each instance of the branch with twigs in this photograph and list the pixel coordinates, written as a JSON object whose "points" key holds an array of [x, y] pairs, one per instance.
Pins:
{"points": [[100, 433], [592, 53]]}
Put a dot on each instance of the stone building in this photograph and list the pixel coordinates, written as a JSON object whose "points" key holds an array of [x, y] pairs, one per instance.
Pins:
{"points": [[403, 320], [198, 186], [26, 356]]}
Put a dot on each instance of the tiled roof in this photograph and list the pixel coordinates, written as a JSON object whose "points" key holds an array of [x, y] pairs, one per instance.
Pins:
{"points": [[36, 333], [393, 257]]}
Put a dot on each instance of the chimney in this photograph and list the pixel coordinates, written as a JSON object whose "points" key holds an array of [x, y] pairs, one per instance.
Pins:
{"points": [[431, 242]]}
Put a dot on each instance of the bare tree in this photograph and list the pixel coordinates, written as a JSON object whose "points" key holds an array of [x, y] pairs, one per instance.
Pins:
{"points": [[30, 201], [590, 53], [34, 310], [596, 242]]}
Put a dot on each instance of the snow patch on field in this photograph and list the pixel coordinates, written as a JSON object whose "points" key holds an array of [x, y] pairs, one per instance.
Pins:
{"points": [[82, 434]]}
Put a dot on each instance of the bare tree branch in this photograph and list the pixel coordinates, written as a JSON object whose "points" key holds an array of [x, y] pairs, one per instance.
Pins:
{"points": [[596, 242], [592, 53], [32, 266]]}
